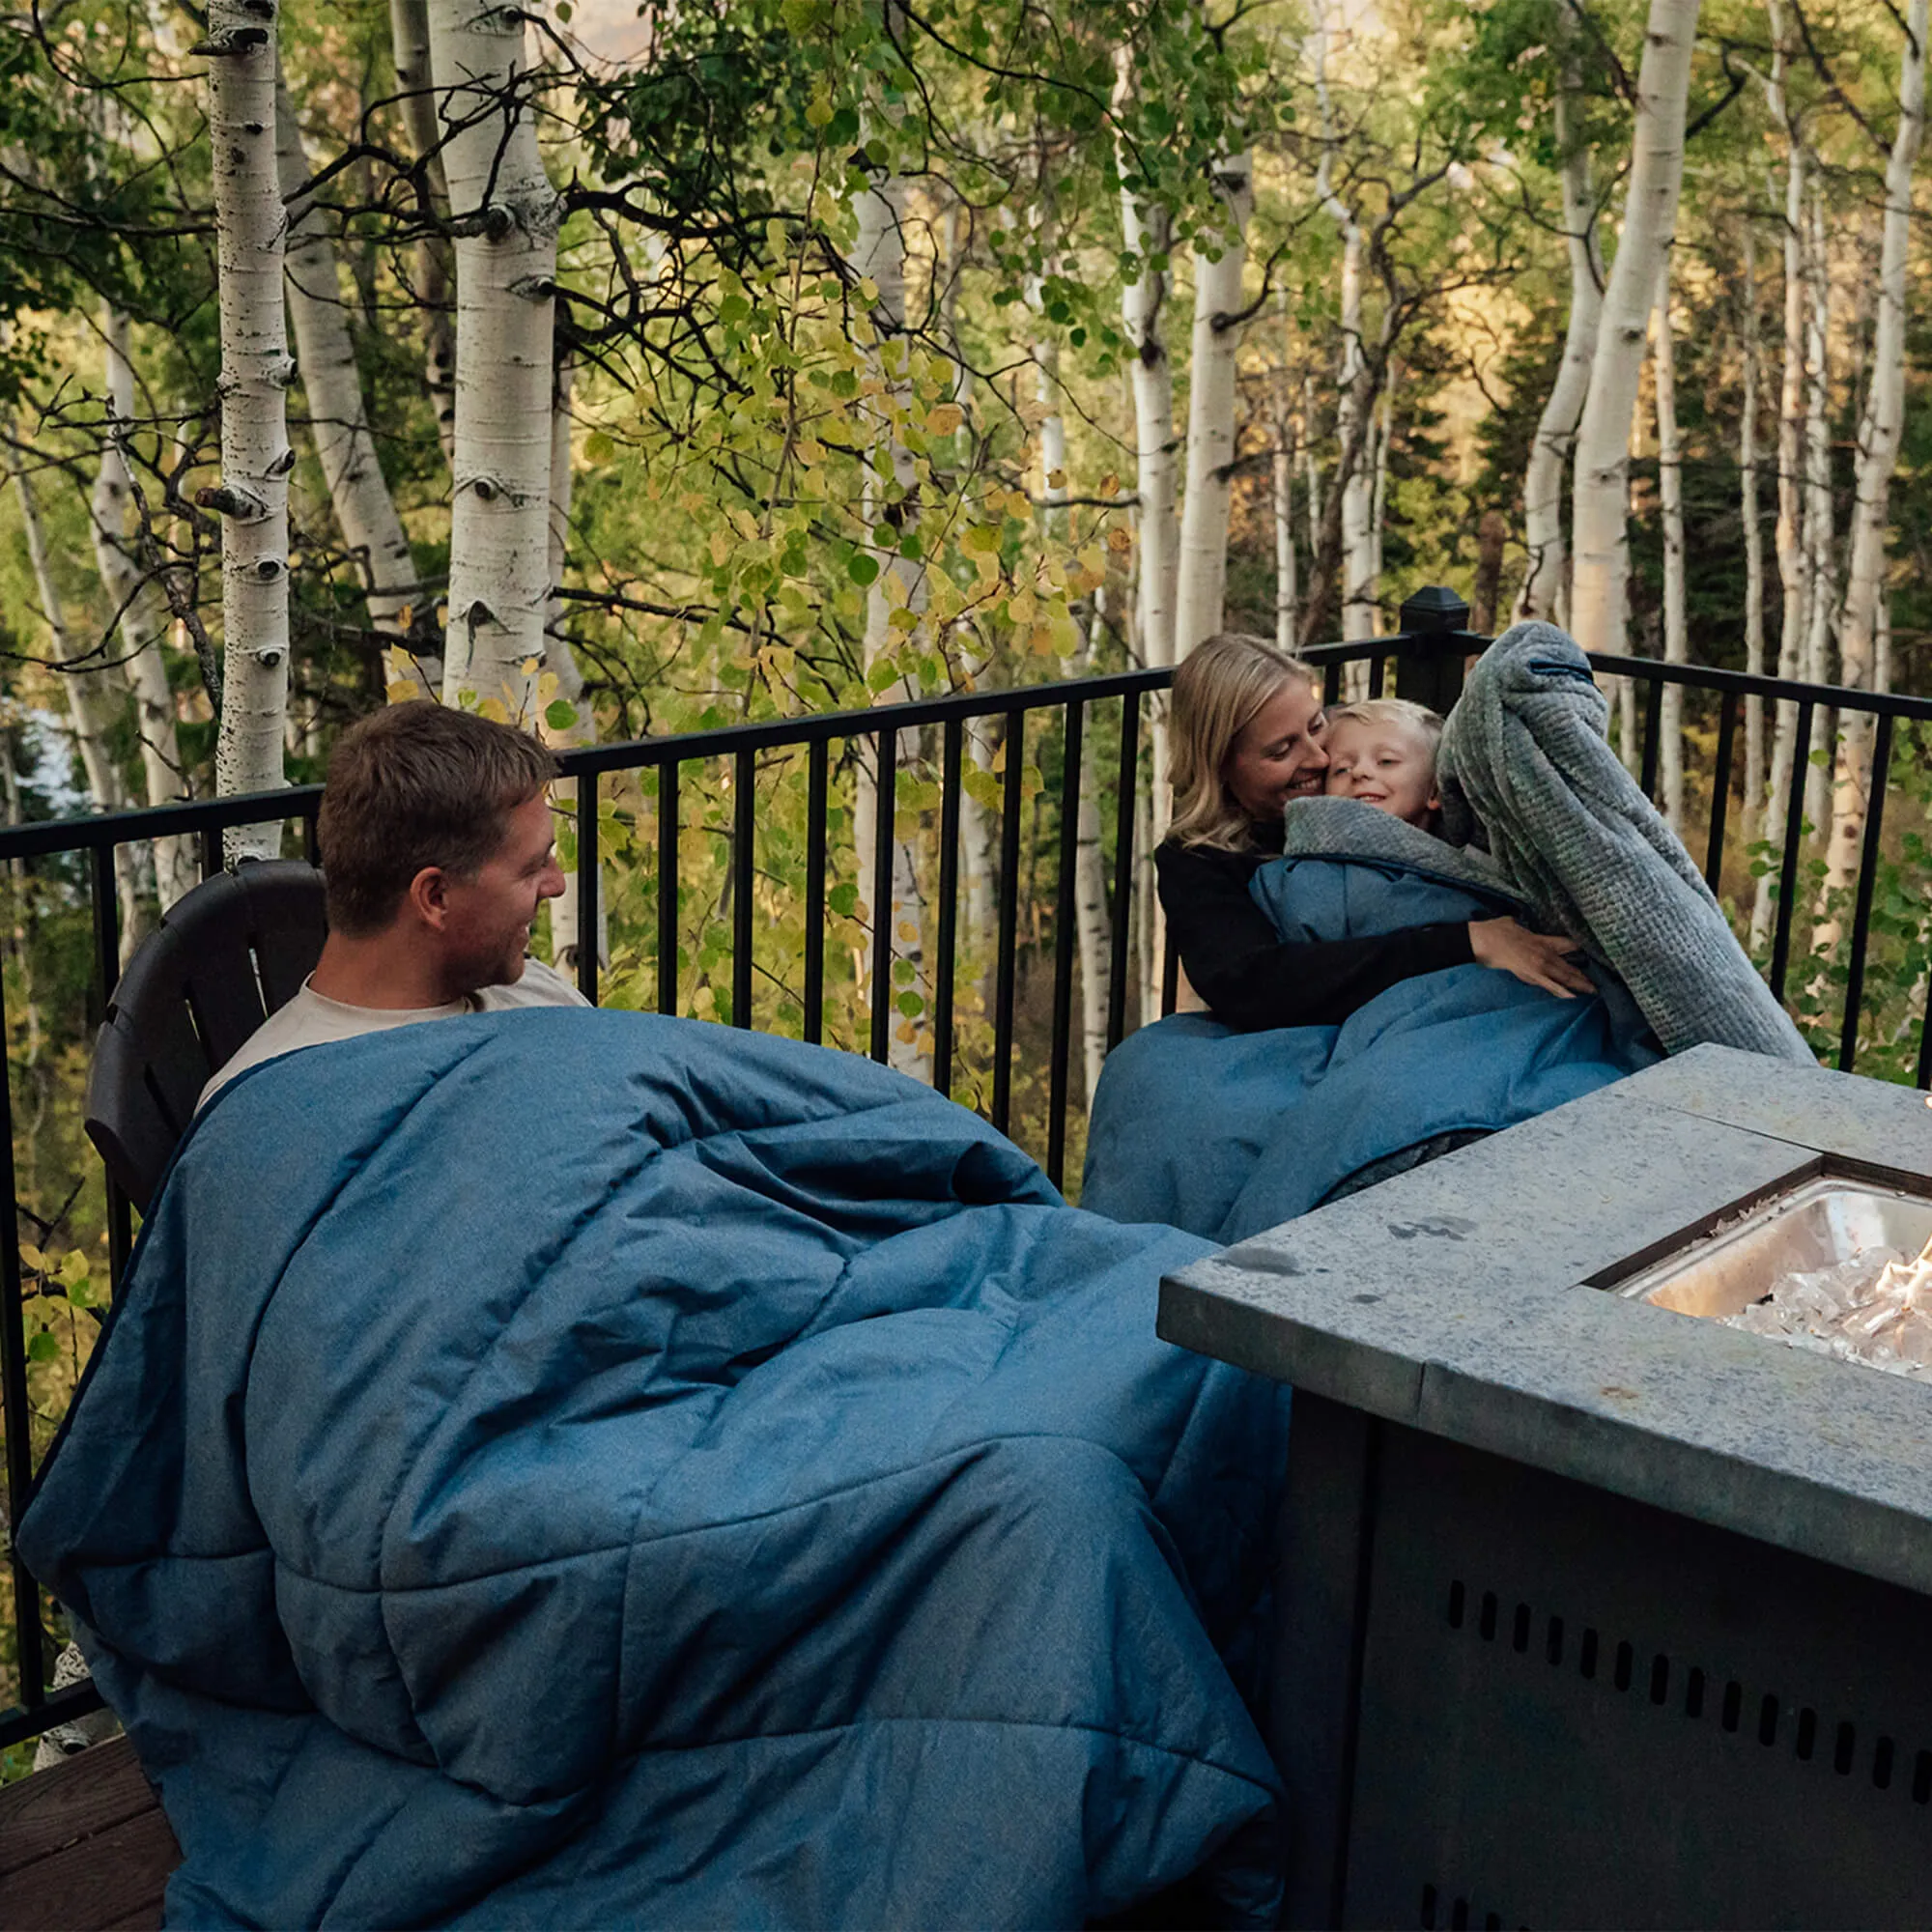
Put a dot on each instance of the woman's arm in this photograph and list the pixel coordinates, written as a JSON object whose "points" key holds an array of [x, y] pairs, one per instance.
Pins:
{"points": [[1238, 964]]}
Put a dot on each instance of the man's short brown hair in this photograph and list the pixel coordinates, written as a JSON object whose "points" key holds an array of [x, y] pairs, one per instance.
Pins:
{"points": [[417, 784]]}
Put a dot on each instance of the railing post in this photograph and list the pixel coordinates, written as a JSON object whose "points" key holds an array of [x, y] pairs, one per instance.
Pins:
{"points": [[1435, 640]]}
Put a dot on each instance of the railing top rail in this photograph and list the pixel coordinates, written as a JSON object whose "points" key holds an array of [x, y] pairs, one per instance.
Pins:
{"points": [[90, 830], [1707, 678]]}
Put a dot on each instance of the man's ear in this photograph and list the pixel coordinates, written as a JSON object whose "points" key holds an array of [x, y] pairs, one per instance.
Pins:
{"points": [[428, 897]]}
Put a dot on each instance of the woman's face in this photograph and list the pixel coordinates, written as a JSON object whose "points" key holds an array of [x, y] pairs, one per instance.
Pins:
{"points": [[1278, 756]]}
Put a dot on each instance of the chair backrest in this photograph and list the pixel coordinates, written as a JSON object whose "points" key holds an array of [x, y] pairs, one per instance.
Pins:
{"points": [[222, 960]]}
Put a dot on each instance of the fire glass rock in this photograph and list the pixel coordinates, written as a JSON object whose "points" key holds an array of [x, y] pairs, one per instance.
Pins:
{"points": [[1874, 1308]]}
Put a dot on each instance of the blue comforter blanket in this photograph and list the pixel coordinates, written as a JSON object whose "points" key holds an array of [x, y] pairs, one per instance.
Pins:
{"points": [[583, 1468], [1226, 1133]]}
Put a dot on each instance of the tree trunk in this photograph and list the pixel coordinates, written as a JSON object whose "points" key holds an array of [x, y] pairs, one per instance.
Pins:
{"points": [[1211, 412], [1819, 511], [1284, 534], [1794, 575], [1754, 747], [1879, 435], [338, 415], [177, 867], [1557, 429], [506, 215], [96, 701], [1671, 494], [409, 31], [879, 253], [256, 371], [1599, 586], [566, 925]]}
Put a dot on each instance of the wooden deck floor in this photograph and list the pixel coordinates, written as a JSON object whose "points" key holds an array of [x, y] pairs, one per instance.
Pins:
{"points": [[85, 1845]]}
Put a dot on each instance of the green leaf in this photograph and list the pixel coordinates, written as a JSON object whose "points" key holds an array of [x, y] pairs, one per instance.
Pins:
{"points": [[44, 1349], [559, 716], [862, 569], [911, 1006], [598, 447], [843, 900]]}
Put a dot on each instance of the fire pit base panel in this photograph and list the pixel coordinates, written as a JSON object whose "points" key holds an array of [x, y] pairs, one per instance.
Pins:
{"points": [[1576, 1710], [1594, 1613]]}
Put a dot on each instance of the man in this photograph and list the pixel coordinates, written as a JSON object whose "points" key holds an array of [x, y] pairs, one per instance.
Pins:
{"points": [[437, 850]]}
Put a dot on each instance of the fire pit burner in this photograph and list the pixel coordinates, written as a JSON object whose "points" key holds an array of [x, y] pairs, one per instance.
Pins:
{"points": [[1822, 1267]]}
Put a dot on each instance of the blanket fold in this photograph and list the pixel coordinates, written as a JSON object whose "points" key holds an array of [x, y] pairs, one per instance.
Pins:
{"points": [[1526, 769], [587, 1468]]}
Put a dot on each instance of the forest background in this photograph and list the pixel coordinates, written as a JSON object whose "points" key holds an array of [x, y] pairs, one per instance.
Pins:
{"points": [[629, 370]]}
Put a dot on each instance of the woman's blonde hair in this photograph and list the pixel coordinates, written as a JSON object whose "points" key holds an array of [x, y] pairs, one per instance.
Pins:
{"points": [[1219, 688]]}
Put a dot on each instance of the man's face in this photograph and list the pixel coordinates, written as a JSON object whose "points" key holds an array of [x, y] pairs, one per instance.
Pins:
{"points": [[487, 927]]}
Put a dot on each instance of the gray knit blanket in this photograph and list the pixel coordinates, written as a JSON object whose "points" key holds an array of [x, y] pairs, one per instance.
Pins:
{"points": [[1526, 769]]}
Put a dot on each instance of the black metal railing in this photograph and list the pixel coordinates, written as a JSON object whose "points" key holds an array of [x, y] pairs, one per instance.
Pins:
{"points": [[1427, 658]]}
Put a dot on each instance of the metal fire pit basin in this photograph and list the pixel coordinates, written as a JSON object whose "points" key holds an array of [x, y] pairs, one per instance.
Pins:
{"points": [[1821, 1222], [1589, 1613]]}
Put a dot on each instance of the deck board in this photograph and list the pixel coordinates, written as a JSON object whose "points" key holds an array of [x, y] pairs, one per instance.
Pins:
{"points": [[85, 1845]]}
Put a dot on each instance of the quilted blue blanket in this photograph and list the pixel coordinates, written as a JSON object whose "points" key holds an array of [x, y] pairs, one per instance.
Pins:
{"points": [[589, 1469], [1227, 1134]]}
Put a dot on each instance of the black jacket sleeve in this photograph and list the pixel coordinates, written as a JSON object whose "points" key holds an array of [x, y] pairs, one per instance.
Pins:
{"points": [[1249, 979]]}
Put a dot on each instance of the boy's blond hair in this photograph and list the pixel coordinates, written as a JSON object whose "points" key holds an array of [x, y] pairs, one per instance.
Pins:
{"points": [[1392, 711]]}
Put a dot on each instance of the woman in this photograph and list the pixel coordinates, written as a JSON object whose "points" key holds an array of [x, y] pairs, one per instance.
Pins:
{"points": [[1246, 737]]}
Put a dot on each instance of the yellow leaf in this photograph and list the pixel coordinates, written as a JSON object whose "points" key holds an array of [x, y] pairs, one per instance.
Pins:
{"points": [[945, 419], [906, 1033], [1018, 508], [1093, 561], [869, 288], [493, 709], [1119, 541], [1020, 608], [1041, 641], [404, 616], [720, 545], [31, 1257], [908, 932], [809, 451], [404, 690], [530, 667], [1056, 479], [1110, 485], [903, 618]]}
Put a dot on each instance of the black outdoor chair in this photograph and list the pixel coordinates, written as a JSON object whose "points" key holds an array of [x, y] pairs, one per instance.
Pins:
{"points": [[221, 961]]}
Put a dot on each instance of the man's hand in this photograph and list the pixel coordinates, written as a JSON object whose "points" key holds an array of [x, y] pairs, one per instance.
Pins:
{"points": [[1536, 958]]}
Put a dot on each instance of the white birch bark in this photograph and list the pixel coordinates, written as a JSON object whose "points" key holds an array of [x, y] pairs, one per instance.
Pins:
{"points": [[338, 415], [142, 625], [879, 253], [1145, 231], [94, 701], [1671, 495], [1089, 884], [506, 215], [1879, 435], [1547, 577], [256, 371], [1818, 512], [408, 34], [1210, 411], [1284, 586], [1794, 575], [1754, 745], [566, 920], [1600, 582]]}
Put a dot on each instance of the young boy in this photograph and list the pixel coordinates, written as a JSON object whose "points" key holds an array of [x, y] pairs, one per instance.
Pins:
{"points": [[1382, 752]]}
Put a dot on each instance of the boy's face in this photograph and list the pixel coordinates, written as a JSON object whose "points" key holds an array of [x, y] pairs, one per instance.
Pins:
{"points": [[1390, 766]]}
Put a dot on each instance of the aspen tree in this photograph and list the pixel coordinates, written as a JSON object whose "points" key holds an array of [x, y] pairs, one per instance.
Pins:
{"points": [[1878, 434], [337, 413], [256, 371], [1546, 582], [177, 869], [507, 214], [408, 34], [1219, 258], [890, 500], [94, 701], [1671, 494], [1754, 745], [1600, 581]]}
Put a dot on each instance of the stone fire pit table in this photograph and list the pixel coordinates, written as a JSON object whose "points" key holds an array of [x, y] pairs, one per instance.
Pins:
{"points": [[1592, 1613]]}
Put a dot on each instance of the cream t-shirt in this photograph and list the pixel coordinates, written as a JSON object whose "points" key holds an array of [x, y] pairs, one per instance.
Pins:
{"points": [[312, 1019]]}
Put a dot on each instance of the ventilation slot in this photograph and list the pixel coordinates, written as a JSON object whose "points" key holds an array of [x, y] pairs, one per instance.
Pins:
{"points": [[1775, 1722]]}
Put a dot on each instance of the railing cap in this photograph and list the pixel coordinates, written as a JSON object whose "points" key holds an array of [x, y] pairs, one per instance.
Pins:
{"points": [[1433, 607]]}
